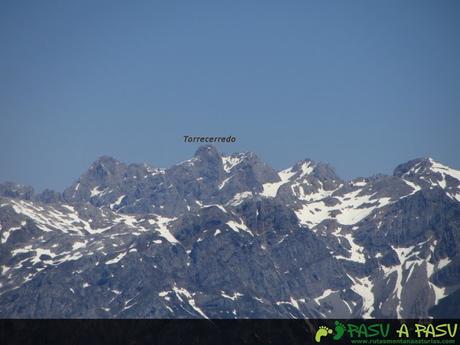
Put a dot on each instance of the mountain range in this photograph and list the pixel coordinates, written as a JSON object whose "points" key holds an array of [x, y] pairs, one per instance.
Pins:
{"points": [[227, 236]]}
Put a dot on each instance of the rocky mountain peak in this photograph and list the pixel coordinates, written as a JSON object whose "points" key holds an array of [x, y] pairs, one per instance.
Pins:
{"points": [[104, 167], [206, 152], [427, 173], [413, 166], [305, 166], [423, 166], [208, 160], [105, 171], [317, 169], [325, 173], [321, 175]]}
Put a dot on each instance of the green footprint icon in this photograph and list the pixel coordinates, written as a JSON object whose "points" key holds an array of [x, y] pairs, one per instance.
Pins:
{"points": [[339, 330], [321, 332]]}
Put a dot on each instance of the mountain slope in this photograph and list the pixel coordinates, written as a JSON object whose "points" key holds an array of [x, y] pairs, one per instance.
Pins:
{"points": [[226, 236]]}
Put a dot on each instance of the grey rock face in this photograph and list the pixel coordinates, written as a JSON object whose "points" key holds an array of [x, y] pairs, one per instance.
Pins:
{"points": [[13, 190], [226, 236]]}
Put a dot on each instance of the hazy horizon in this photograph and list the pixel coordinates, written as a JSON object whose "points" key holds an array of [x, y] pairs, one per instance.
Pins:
{"points": [[389, 172]]}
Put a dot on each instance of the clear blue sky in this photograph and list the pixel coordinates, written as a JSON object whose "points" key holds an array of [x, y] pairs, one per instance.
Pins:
{"points": [[362, 85]]}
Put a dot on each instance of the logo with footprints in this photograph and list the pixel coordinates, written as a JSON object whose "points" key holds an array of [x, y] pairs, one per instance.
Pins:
{"points": [[324, 331]]}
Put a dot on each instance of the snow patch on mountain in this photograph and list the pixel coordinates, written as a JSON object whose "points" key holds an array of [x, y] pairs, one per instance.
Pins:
{"points": [[163, 229], [270, 189], [351, 208], [182, 292], [232, 161], [363, 287]]}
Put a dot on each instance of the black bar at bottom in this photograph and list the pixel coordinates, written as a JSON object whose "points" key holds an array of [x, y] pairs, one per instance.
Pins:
{"points": [[169, 332]]}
